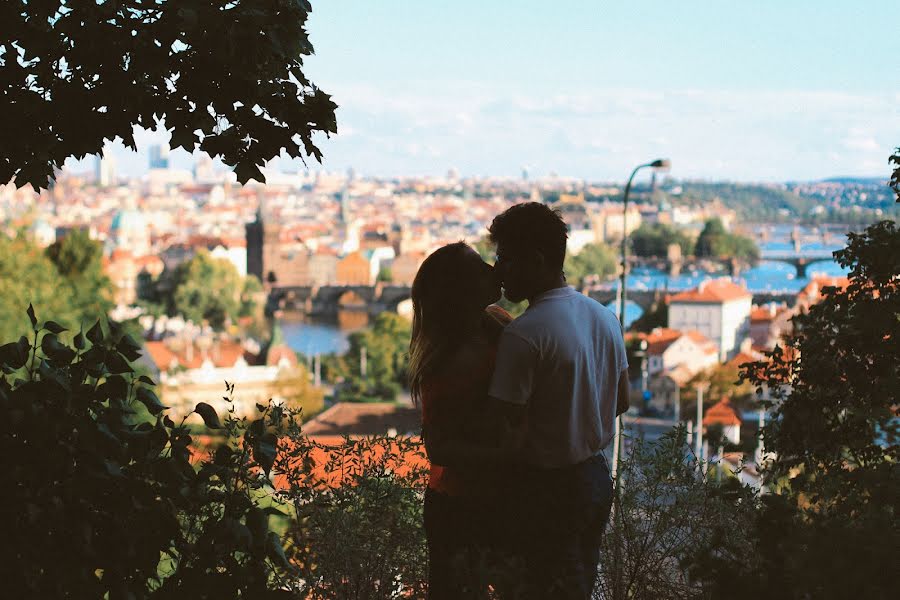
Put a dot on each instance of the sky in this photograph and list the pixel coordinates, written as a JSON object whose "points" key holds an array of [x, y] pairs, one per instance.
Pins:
{"points": [[770, 90]]}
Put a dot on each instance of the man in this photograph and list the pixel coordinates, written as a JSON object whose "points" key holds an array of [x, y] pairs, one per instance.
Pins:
{"points": [[561, 378]]}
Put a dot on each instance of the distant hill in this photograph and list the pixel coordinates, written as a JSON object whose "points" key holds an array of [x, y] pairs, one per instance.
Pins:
{"points": [[857, 180]]}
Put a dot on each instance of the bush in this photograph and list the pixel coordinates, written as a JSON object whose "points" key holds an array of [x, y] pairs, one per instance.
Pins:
{"points": [[102, 497]]}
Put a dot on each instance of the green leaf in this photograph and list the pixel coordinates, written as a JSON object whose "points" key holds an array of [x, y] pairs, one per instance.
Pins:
{"points": [[149, 399], [95, 333], [117, 364], [79, 341], [31, 316], [208, 413], [55, 351], [147, 380], [15, 354], [54, 327]]}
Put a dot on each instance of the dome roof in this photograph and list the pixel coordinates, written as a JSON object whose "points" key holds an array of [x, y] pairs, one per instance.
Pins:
{"points": [[128, 220]]}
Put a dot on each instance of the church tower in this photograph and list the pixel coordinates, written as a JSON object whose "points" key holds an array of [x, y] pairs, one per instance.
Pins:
{"points": [[263, 238]]}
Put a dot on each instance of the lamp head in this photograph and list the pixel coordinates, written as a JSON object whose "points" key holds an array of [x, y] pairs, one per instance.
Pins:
{"points": [[661, 163]]}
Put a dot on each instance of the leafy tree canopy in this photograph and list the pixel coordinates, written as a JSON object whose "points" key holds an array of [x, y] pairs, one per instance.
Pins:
{"points": [[224, 76], [386, 345], [211, 289], [653, 239], [65, 280], [597, 260], [78, 260], [715, 241]]}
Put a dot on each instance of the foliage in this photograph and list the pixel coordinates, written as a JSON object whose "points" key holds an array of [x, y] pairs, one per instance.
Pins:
{"points": [[670, 518], [211, 289], [653, 240], [895, 176], [252, 297], [721, 380], [714, 241], [225, 76], [359, 531], [594, 260], [65, 280], [830, 530], [102, 499], [386, 346], [78, 260], [294, 386], [385, 275], [657, 315]]}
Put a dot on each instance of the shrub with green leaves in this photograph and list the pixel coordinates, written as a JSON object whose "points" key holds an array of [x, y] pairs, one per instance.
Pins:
{"points": [[102, 498]]}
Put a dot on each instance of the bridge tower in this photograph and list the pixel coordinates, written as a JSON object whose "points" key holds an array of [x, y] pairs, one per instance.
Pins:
{"points": [[796, 239]]}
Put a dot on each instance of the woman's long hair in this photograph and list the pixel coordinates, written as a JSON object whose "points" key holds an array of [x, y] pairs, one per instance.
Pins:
{"points": [[442, 295]]}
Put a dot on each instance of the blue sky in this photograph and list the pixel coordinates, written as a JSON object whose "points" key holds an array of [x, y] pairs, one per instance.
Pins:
{"points": [[754, 91]]}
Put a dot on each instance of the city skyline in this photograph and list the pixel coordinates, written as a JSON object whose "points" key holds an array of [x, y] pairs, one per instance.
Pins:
{"points": [[741, 93]]}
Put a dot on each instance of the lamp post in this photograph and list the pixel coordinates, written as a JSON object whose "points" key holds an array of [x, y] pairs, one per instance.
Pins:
{"points": [[660, 163]]}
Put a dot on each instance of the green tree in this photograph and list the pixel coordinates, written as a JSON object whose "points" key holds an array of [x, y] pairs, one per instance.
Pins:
{"points": [[78, 259], [223, 76], [102, 499], [386, 346], [715, 242], [594, 260], [252, 297], [653, 240], [832, 442], [895, 176], [207, 289], [27, 275]]}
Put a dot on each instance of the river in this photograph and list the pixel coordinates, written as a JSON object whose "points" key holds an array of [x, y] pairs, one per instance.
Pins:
{"points": [[316, 336]]}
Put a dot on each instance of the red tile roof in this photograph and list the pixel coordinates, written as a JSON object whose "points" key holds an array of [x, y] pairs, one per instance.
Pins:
{"points": [[813, 290], [222, 354], [365, 418], [713, 291], [660, 339], [722, 413]]}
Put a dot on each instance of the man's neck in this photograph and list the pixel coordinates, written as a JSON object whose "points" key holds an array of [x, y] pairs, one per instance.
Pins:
{"points": [[556, 284]]}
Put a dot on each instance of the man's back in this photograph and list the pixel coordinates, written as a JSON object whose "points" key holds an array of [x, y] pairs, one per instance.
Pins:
{"points": [[562, 360]]}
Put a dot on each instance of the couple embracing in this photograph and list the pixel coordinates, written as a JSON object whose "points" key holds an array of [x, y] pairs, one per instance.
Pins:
{"points": [[515, 414]]}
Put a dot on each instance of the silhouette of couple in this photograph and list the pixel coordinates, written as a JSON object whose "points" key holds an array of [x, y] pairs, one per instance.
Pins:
{"points": [[515, 414]]}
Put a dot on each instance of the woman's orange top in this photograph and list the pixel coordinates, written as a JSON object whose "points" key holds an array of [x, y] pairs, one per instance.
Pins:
{"points": [[455, 402]]}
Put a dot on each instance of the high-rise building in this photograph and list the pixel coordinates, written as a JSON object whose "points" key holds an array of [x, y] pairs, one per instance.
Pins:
{"points": [[105, 169], [159, 156]]}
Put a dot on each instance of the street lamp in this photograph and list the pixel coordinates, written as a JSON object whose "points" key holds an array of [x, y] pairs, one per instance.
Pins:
{"points": [[660, 163]]}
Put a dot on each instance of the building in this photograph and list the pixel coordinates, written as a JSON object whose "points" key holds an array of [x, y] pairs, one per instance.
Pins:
{"points": [[354, 269], [724, 415], [769, 324], [194, 369], [814, 290], [719, 309], [159, 156], [668, 349], [610, 222], [405, 267], [323, 268], [273, 262], [125, 271]]}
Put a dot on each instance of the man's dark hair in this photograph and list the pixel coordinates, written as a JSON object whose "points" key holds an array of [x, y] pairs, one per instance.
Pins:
{"points": [[532, 226]]}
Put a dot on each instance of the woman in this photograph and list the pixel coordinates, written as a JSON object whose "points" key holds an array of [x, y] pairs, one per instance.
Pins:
{"points": [[454, 342]]}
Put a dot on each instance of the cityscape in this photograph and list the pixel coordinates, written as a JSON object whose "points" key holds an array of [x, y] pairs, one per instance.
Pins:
{"points": [[360, 302], [321, 255]]}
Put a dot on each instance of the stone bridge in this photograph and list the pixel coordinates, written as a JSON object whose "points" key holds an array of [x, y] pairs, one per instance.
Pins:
{"points": [[605, 294], [326, 300]]}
